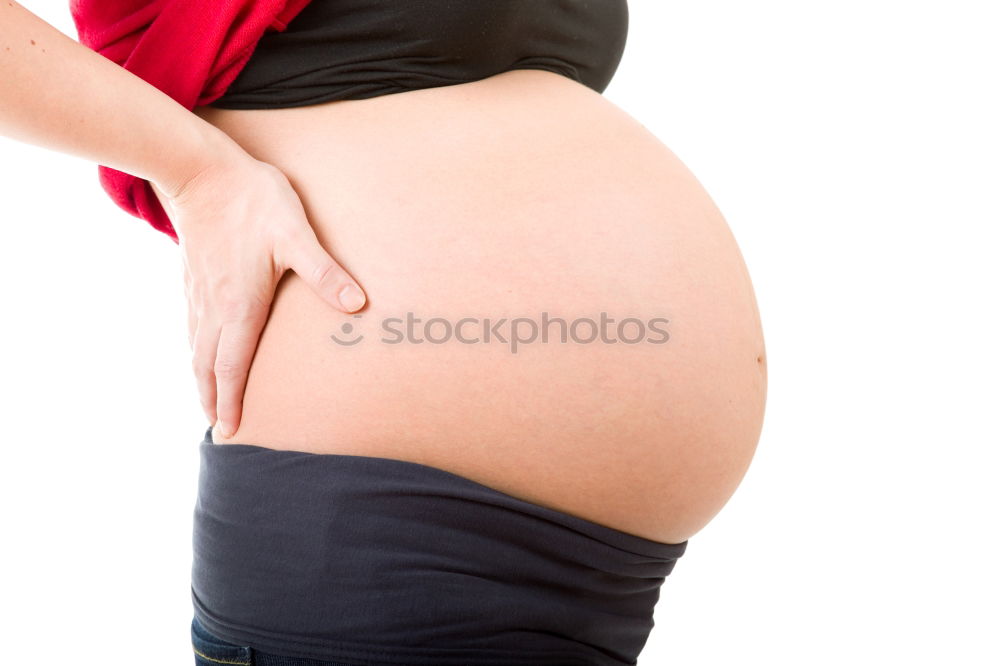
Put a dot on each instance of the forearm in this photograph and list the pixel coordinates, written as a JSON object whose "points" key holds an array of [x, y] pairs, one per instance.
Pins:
{"points": [[58, 94]]}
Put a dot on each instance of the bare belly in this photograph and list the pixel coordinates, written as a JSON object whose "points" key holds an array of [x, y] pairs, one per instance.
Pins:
{"points": [[522, 196]]}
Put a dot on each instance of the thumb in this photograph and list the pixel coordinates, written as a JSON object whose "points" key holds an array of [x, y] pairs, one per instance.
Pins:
{"points": [[323, 275]]}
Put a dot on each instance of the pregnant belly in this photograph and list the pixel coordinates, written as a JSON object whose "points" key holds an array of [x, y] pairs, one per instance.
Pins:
{"points": [[556, 308]]}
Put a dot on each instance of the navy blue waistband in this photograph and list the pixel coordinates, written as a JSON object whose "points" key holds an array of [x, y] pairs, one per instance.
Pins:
{"points": [[377, 561]]}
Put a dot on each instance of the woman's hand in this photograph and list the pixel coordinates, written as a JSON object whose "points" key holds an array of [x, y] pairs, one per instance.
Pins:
{"points": [[241, 225], [239, 222]]}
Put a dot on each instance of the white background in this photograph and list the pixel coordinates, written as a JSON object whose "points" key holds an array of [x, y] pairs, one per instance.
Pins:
{"points": [[854, 148]]}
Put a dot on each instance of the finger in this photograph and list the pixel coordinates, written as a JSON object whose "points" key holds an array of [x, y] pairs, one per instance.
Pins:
{"points": [[206, 342], [237, 344], [304, 255], [192, 324], [192, 316]]}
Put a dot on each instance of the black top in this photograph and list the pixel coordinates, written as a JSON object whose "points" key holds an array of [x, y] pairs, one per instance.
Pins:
{"points": [[379, 561], [356, 49]]}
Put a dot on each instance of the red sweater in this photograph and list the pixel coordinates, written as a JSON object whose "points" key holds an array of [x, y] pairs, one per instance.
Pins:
{"points": [[188, 49]]}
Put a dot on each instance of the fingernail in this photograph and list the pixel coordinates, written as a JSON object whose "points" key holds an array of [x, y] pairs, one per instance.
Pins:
{"points": [[351, 298], [224, 429]]}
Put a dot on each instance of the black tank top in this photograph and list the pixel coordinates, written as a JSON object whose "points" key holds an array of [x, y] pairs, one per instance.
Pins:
{"points": [[356, 49]]}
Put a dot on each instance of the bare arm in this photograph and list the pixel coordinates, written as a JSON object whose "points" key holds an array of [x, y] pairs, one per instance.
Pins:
{"points": [[58, 94]]}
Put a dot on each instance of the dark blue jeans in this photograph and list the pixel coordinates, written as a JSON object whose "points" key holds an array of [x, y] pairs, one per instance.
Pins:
{"points": [[211, 650]]}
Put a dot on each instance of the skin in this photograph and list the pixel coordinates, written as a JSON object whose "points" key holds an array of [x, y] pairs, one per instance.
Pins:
{"points": [[234, 252], [521, 193], [516, 194]]}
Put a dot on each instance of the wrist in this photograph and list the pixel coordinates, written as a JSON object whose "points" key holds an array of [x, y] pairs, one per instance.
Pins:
{"points": [[205, 148]]}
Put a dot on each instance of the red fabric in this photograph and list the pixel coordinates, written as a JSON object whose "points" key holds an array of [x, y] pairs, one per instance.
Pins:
{"points": [[190, 50]]}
